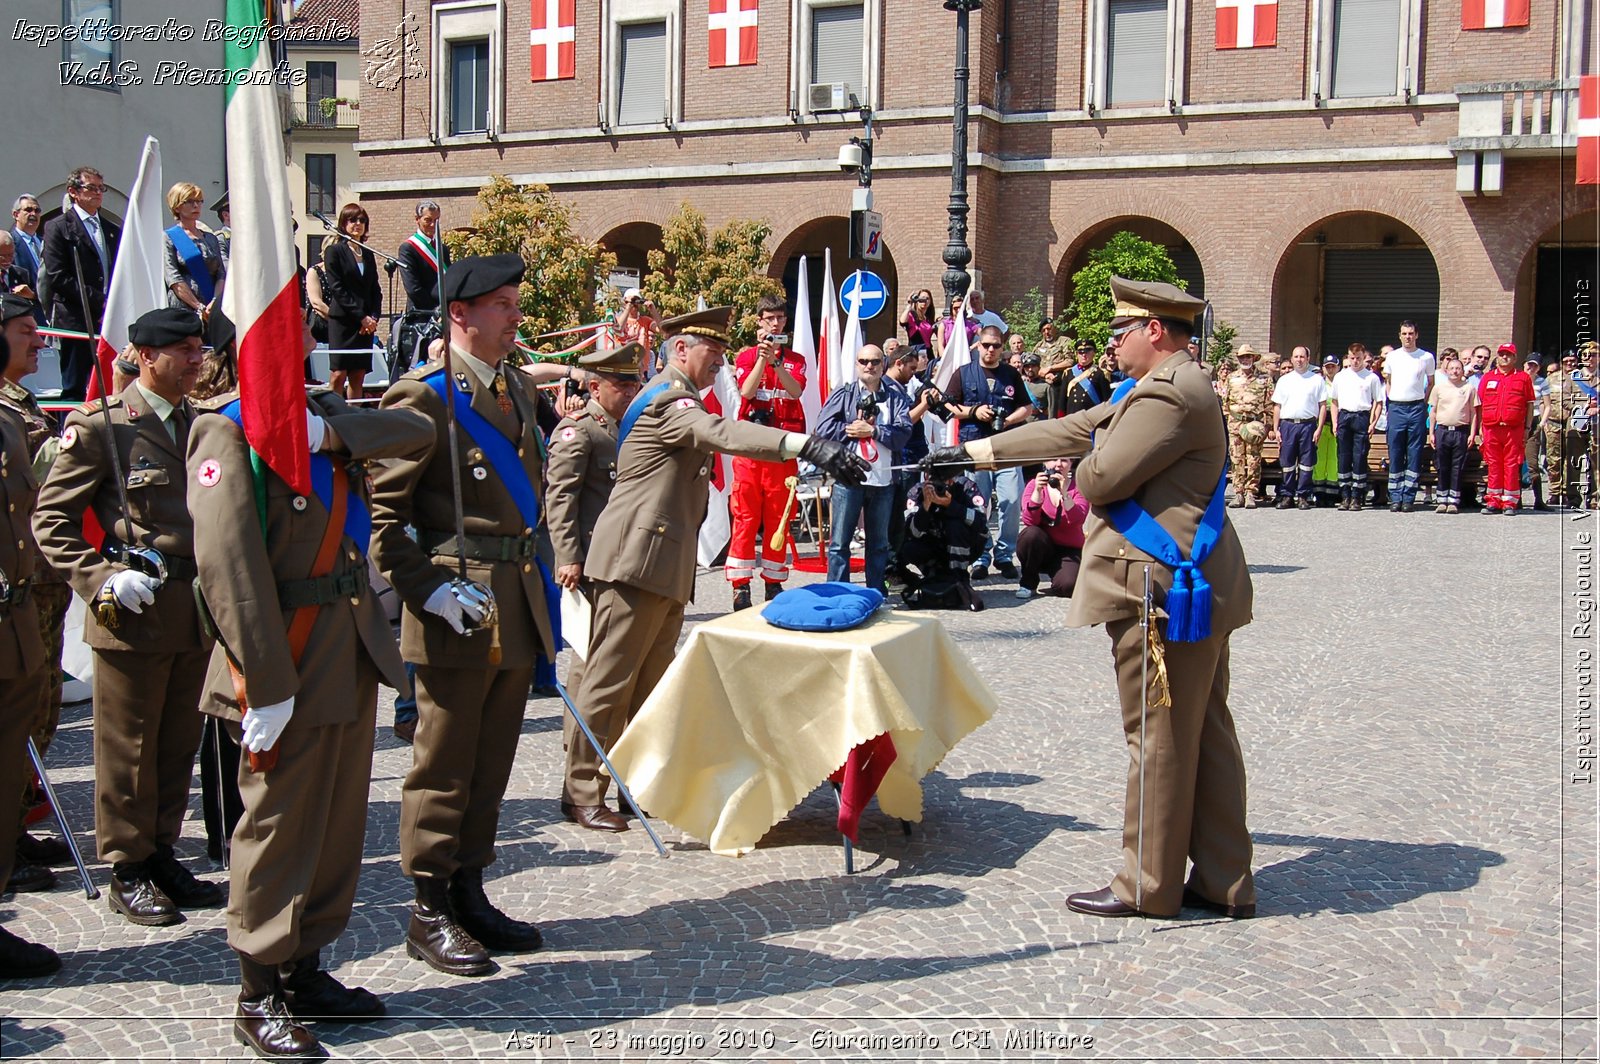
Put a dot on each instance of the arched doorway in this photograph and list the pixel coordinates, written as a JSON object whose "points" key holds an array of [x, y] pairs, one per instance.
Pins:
{"points": [[1562, 275], [631, 244], [1354, 277], [1184, 258], [809, 241]]}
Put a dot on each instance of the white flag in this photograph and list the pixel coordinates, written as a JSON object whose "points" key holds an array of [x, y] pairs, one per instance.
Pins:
{"points": [[138, 282]]}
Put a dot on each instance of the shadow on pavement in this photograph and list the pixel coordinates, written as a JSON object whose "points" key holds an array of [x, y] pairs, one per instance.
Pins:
{"points": [[1363, 875]]}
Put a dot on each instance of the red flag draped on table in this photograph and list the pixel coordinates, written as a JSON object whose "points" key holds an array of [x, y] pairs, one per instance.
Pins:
{"points": [[1247, 23], [732, 25], [263, 293], [553, 41], [1493, 14], [137, 279], [1589, 130]]}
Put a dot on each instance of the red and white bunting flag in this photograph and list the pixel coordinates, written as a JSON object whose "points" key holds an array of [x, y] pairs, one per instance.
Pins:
{"points": [[1589, 130], [138, 283], [733, 32], [804, 343], [721, 398], [828, 362], [553, 42], [1494, 14], [1247, 23]]}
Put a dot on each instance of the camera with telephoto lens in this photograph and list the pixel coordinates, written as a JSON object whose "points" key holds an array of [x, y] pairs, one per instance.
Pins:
{"points": [[998, 421], [867, 408], [938, 405]]}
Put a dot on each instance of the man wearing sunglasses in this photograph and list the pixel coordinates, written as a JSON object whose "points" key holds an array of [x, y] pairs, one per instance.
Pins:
{"points": [[989, 398], [81, 228]]}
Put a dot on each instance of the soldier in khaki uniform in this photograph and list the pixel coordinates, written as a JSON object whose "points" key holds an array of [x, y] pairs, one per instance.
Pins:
{"points": [[298, 845], [472, 680], [150, 659], [23, 662], [1563, 444], [642, 558], [50, 591], [1163, 449], [1245, 404], [583, 470]]}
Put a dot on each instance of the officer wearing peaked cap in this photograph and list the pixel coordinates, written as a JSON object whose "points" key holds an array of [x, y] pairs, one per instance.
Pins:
{"points": [[1155, 481]]}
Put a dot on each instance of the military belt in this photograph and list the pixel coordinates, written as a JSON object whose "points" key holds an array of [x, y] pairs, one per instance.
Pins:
{"points": [[178, 567], [322, 590], [13, 595], [477, 548]]}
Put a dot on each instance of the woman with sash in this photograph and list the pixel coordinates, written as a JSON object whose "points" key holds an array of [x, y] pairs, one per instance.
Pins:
{"points": [[194, 266]]}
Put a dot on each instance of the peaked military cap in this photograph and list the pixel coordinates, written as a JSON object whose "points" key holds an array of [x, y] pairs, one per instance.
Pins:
{"points": [[1153, 299], [618, 361], [478, 275], [164, 327], [221, 204], [711, 323]]}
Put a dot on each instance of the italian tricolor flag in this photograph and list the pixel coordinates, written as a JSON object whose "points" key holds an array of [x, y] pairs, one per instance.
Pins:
{"points": [[263, 293]]}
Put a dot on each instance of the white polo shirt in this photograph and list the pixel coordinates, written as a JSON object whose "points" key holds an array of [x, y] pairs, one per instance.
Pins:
{"points": [[1408, 373], [1299, 395], [1357, 391]]}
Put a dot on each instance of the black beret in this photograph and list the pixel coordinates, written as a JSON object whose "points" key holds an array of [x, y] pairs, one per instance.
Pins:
{"points": [[14, 306], [478, 275], [220, 330], [164, 327]]}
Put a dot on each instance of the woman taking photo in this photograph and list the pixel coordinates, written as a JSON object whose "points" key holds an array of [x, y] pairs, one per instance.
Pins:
{"points": [[194, 270], [350, 288], [919, 321]]}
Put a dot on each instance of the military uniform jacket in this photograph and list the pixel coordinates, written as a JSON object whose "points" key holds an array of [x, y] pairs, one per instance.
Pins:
{"points": [[583, 468], [1246, 398], [21, 646], [240, 571], [43, 444], [647, 535], [416, 491], [80, 479], [1165, 446], [1566, 398]]}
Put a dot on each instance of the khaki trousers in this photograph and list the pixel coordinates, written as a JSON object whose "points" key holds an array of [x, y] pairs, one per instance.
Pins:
{"points": [[636, 635], [18, 697], [146, 731], [298, 846], [468, 724], [1194, 788]]}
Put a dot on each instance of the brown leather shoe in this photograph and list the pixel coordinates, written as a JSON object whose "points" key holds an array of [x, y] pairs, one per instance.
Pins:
{"points": [[1100, 903], [135, 895], [180, 885], [313, 994], [437, 940], [406, 730], [29, 878], [1192, 900], [593, 817], [45, 852], [265, 1025], [478, 916]]}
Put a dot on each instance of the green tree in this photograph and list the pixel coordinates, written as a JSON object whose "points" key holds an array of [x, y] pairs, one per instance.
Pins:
{"points": [[727, 266], [1219, 349], [1027, 316], [558, 290], [1125, 255]]}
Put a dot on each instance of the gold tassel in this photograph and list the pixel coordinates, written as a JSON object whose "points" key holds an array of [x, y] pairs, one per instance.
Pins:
{"points": [[1160, 693], [494, 643], [105, 609]]}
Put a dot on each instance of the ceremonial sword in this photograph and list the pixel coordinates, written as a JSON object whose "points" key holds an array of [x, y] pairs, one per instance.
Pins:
{"points": [[1144, 709], [90, 891]]}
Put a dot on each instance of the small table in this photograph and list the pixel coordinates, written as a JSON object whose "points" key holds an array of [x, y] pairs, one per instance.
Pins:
{"points": [[750, 718]]}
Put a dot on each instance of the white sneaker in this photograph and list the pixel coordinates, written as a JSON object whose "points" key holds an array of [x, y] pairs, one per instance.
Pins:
{"points": [[1024, 593]]}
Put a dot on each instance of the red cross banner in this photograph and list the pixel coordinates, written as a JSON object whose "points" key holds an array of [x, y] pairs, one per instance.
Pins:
{"points": [[1494, 14], [733, 32], [1247, 23], [1589, 130], [554, 39]]}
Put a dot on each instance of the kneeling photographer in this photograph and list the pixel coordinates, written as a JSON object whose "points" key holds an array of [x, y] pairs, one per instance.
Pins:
{"points": [[1051, 543], [946, 523]]}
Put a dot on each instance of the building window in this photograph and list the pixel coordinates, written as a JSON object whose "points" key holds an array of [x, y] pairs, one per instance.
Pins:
{"points": [[642, 74], [834, 57], [93, 57], [1136, 32], [838, 45], [469, 87], [469, 68], [1368, 48], [322, 185], [314, 249], [322, 83]]}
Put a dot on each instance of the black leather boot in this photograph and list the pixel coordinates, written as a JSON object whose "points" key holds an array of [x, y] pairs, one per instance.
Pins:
{"points": [[21, 959], [263, 1022], [473, 910], [313, 994], [435, 938]]}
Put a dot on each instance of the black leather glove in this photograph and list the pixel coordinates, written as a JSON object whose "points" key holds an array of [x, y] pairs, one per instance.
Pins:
{"points": [[837, 460], [942, 463]]}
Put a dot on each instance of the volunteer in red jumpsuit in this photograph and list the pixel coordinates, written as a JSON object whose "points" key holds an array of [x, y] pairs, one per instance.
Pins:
{"points": [[1505, 399], [771, 379]]}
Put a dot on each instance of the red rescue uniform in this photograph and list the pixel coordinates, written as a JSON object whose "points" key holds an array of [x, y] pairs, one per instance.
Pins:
{"points": [[1504, 399], [759, 494]]}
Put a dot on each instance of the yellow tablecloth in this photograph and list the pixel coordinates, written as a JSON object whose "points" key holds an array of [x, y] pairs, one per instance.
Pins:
{"points": [[750, 718]]}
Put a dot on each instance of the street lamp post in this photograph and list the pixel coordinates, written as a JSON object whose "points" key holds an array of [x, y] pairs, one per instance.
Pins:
{"points": [[956, 253]]}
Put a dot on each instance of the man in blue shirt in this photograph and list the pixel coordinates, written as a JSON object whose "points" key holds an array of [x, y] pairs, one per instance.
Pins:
{"points": [[990, 397]]}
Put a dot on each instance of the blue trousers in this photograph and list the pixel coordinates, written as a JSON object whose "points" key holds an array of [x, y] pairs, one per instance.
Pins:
{"points": [[848, 503], [1002, 488], [1353, 442], [1408, 430], [1297, 456]]}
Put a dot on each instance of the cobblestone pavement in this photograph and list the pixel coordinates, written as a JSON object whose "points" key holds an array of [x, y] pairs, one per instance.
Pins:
{"points": [[1427, 869]]}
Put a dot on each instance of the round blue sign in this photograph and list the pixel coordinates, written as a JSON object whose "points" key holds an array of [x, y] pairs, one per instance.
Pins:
{"points": [[868, 289]]}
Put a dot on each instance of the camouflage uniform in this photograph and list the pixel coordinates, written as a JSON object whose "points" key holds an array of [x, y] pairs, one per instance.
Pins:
{"points": [[1245, 404], [1563, 442]]}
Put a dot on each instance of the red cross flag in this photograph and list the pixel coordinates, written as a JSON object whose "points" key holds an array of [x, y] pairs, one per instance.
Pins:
{"points": [[1493, 14], [1247, 23], [1589, 130], [554, 39], [733, 32]]}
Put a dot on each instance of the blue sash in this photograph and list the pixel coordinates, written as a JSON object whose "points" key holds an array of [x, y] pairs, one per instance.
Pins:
{"points": [[194, 261], [1189, 601], [636, 409], [1584, 387], [1088, 385], [357, 520]]}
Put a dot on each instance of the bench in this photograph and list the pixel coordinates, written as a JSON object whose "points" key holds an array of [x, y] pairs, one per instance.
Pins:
{"points": [[1378, 466]]}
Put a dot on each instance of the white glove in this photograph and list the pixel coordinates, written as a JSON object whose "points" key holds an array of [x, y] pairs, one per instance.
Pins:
{"points": [[134, 590], [263, 725], [316, 431], [461, 605]]}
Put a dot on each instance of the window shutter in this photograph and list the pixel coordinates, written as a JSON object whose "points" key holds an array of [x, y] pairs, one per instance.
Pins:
{"points": [[1368, 292], [837, 41], [469, 87], [1136, 47], [642, 74], [1366, 47]]}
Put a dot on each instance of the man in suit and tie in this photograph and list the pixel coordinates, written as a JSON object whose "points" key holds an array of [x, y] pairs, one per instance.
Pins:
{"points": [[30, 248], [83, 228]]}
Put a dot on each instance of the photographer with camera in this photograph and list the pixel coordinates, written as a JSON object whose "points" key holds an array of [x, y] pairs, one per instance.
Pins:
{"points": [[869, 416], [946, 522], [901, 367], [1051, 543], [771, 378], [989, 398]]}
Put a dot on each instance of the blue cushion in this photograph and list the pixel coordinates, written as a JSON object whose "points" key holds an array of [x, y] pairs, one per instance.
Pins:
{"points": [[822, 607]]}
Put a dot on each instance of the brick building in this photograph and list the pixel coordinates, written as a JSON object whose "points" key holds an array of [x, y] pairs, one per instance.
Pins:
{"points": [[1377, 161]]}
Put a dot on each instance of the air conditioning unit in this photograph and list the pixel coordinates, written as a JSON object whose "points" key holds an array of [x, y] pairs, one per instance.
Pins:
{"points": [[830, 96]]}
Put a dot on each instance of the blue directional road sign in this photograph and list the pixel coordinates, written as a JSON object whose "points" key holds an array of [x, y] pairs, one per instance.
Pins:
{"points": [[869, 289]]}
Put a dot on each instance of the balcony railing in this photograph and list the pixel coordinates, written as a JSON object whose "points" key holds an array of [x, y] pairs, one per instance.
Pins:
{"points": [[310, 115], [1517, 117]]}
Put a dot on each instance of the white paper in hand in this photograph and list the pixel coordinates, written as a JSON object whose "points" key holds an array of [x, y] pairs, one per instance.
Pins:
{"points": [[576, 617]]}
